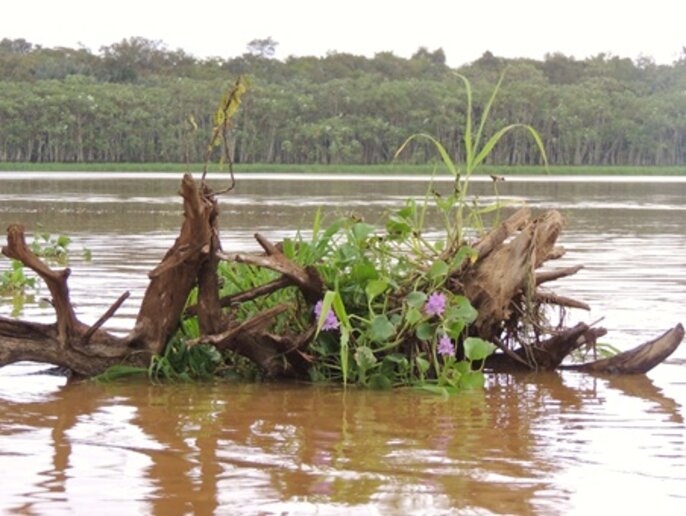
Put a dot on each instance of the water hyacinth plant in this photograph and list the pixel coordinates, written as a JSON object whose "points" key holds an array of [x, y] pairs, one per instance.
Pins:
{"points": [[405, 321], [392, 310]]}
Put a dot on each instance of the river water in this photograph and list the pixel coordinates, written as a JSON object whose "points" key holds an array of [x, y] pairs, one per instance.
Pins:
{"points": [[534, 443]]}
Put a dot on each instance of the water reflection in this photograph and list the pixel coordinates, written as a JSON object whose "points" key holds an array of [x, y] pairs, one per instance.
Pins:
{"points": [[273, 448]]}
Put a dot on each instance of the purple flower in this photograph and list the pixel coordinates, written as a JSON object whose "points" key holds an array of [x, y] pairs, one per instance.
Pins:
{"points": [[331, 322], [445, 346], [435, 305]]}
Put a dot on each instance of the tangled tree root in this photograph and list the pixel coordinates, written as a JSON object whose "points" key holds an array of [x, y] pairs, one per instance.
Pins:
{"points": [[504, 285]]}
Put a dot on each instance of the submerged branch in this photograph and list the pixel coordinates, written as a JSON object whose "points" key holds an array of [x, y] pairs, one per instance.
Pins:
{"points": [[640, 359]]}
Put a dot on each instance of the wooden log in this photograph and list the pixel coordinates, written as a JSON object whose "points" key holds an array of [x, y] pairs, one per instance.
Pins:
{"points": [[89, 350], [507, 228], [226, 339], [638, 360], [495, 281], [166, 295], [548, 354]]}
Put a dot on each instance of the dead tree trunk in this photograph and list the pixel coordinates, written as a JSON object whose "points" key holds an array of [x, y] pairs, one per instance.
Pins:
{"points": [[192, 260], [88, 351], [505, 288], [503, 285]]}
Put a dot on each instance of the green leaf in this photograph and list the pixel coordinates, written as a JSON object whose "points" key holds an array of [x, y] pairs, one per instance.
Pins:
{"points": [[435, 389], [333, 228], [422, 364], [343, 354], [379, 382], [409, 211], [454, 328], [323, 242], [425, 331], [440, 148], [416, 299], [361, 231], [363, 272], [396, 360], [464, 253], [445, 204], [381, 329], [316, 224], [438, 270], [339, 310], [463, 367], [119, 371], [477, 349], [461, 309], [473, 380], [288, 247], [488, 147], [364, 358], [375, 287], [487, 109], [397, 227], [413, 316], [63, 241]]}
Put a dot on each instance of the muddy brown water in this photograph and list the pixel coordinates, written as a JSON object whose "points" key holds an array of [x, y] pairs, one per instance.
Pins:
{"points": [[542, 443]]}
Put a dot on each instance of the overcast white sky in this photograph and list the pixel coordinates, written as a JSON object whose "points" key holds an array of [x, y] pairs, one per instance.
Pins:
{"points": [[464, 29]]}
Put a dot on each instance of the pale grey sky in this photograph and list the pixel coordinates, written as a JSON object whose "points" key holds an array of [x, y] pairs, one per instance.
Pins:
{"points": [[464, 29]]}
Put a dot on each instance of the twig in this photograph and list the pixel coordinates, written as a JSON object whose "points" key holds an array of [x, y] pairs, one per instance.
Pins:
{"points": [[307, 279], [109, 313], [221, 340], [554, 299], [547, 276], [248, 295], [514, 356]]}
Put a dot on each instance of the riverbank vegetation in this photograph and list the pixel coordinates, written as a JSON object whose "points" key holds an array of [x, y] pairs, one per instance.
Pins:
{"points": [[343, 169], [136, 101]]}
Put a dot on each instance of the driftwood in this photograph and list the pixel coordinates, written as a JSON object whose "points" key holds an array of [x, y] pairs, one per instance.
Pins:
{"points": [[504, 285], [640, 359], [89, 350]]}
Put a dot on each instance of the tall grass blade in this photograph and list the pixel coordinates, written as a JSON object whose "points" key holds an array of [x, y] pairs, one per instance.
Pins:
{"points": [[487, 110], [469, 149], [488, 147], [439, 147]]}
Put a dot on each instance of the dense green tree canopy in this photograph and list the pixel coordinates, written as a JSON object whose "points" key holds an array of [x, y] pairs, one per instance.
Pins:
{"points": [[132, 100]]}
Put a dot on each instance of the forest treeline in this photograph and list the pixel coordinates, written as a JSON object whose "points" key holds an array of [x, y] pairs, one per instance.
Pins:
{"points": [[138, 101]]}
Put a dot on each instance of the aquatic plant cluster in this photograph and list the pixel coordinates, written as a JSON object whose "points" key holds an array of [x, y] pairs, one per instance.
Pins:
{"points": [[392, 313]]}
